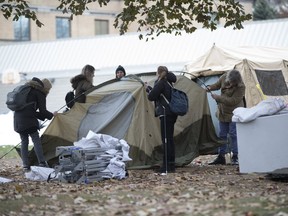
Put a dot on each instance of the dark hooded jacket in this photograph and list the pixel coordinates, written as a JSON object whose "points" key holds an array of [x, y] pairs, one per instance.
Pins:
{"points": [[26, 120], [162, 87], [81, 84]]}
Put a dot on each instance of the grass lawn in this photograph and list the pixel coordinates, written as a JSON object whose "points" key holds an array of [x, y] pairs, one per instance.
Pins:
{"points": [[9, 151]]}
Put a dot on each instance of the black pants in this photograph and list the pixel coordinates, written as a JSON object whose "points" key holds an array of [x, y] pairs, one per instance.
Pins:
{"points": [[167, 132]]}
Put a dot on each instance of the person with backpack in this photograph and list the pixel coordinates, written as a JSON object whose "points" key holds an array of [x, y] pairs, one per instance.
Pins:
{"points": [[26, 120], [167, 118], [82, 82]]}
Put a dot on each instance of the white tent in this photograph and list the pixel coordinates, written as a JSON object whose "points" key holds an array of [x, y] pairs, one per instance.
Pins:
{"points": [[264, 69]]}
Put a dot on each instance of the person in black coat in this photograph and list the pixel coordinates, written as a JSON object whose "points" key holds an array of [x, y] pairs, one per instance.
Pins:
{"points": [[162, 110], [26, 120]]}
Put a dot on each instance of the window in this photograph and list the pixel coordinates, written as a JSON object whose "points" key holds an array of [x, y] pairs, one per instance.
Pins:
{"points": [[101, 27], [272, 82], [22, 29], [63, 27]]}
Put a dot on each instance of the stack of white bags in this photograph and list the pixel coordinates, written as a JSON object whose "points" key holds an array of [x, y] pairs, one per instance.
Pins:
{"points": [[117, 152], [266, 107]]}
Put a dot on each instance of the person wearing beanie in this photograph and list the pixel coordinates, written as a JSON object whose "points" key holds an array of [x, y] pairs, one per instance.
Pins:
{"points": [[26, 120], [83, 82], [120, 72]]}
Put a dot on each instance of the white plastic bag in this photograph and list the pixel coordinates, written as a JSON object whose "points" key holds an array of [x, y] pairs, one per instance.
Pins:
{"points": [[265, 107], [5, 180], [39, 173]]}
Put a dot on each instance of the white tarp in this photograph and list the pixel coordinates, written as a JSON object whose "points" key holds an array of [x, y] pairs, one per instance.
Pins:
{"points": [[265, 107]]}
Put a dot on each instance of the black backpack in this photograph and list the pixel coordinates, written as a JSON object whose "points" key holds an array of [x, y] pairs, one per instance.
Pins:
{"points": [[70, 99], [17, 99]]}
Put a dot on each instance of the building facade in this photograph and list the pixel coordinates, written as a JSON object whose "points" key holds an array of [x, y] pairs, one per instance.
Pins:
{"points": [[95, 21]]}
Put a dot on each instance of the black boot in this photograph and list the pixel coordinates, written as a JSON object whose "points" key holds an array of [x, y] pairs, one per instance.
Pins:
{"points": [[170, 168], [235, 160], [219, 160], [26, 169]]}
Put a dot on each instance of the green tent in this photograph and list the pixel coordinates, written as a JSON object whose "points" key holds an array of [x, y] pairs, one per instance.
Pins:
{"points": [[120, 108]]}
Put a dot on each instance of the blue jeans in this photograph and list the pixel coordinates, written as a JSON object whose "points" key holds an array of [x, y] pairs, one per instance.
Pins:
{"points": [[225, 129]]}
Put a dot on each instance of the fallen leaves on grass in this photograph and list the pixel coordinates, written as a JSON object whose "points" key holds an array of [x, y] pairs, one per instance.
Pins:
{"points": [[192, 190]]}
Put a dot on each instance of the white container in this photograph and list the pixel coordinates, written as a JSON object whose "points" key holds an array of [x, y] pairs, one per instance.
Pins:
{"points": [[263, 144]]}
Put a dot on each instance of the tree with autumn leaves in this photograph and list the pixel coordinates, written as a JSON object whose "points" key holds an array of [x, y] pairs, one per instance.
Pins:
{"points": [[152, 17]]}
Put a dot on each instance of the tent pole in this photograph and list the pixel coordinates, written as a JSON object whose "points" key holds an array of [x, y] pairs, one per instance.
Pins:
{"points": [[165, 142], [14, 147], [197, 79], [83, 93]]}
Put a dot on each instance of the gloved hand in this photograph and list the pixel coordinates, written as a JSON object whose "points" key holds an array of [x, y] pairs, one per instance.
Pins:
{"points": [[215, 96], [148, 88]]}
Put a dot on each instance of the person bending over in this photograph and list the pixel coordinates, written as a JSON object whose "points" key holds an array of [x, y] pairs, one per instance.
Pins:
{"points": [[26, 120]]}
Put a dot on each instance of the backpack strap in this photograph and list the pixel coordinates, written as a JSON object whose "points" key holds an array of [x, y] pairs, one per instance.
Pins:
{"points": [[164, 96], [170, 84]]}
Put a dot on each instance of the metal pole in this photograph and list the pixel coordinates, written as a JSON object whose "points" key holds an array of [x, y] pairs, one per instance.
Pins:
{"points": [[14, 147], [165, 142], [83, 93]]}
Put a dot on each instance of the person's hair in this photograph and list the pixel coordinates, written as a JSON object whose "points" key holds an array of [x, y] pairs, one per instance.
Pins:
{"points": [[88, 70], [162, 69], [160, 72], [234, 77]]}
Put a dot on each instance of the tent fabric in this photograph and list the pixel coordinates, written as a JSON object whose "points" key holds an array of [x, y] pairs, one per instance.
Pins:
{"points": [[116, 108], [260, 67], [121, 109]]}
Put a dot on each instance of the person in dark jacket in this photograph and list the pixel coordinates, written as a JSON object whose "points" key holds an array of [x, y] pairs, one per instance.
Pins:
{"points": [[82, 82], [120, 72], [232, 96], [26, 120], [162, 110]]}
